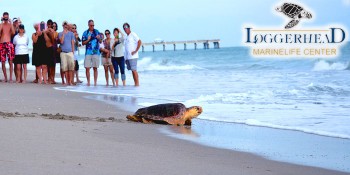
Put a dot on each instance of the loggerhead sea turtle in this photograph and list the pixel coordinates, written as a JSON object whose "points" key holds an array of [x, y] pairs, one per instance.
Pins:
{"points": [[295, 12], [170, 113]]}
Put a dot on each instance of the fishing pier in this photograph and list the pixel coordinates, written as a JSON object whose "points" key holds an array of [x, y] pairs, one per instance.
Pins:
{"points": [[216, 44]]}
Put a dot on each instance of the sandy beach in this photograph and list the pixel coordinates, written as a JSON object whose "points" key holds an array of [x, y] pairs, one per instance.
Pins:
{"points": [[46, 131]]}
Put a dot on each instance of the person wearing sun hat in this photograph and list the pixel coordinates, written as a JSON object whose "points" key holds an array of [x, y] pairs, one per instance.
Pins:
{"points": [[21, 59], [15, 22]]}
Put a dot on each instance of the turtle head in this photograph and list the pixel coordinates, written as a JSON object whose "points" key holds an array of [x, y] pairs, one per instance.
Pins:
{"points": [[305, 14], [279, 9], [193, 112]]}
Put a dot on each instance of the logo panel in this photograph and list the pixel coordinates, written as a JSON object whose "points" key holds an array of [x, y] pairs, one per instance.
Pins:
{"points": [[315, 42]]}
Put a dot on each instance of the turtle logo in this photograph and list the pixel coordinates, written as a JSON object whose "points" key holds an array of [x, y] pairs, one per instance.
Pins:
{"points": [[295, 12]]}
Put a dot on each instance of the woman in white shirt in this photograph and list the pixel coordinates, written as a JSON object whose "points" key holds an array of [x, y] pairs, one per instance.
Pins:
{"points": [[21, 60]]}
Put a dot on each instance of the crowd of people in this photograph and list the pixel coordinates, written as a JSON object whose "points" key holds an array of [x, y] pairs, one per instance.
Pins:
{"points": [[51, 47]]}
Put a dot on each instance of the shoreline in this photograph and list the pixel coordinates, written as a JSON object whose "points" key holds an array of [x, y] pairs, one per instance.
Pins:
{"points": [[134, 153], [289, 146]]}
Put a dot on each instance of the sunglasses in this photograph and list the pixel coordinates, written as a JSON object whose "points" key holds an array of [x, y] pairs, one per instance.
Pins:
{"points": [[74, 28], [125, 27], [107, 33]]}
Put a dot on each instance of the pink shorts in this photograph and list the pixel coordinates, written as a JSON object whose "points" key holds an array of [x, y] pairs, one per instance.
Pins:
{"points": [[7, 49]]}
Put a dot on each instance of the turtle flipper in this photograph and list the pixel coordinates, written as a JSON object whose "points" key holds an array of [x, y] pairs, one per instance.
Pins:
{"points": [[173, 121], [188, 122], [134, 118], [146, 121], [292, 23]]}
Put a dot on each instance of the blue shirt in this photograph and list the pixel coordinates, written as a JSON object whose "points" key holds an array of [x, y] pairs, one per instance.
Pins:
{"points": [[92, 47], [67, 42]]}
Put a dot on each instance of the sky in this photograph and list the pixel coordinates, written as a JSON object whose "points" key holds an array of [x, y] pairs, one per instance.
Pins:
{"points": [[175, 20]]}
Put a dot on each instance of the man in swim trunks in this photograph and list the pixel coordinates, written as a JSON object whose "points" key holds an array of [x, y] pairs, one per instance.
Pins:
{"points": [[6, 47]]}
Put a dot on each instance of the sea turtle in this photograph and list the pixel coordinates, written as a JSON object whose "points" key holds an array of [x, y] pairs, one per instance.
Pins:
{"points": [[295, 12], [169, 113]]}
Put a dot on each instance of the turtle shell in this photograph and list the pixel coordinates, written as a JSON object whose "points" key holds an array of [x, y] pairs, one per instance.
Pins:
{"points": [[162, 111], [291, 10]]}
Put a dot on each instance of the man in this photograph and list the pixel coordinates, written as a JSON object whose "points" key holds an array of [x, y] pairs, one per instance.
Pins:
{"points": [[91, 38], [132, 45], [66, 38], [6, 47], [50, 40]]}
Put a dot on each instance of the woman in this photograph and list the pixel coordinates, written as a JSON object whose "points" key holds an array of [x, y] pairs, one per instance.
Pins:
{"points": [[76, 53], [118, 60], [39, 59], [21, 60], [105, 49]]}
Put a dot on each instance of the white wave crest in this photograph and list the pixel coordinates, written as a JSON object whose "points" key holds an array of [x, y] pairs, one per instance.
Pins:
{"points": [[254, 122], [148, 64], [233, 98], [325, 66]]}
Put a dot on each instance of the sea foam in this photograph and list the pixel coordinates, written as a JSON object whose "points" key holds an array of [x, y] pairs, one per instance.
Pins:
{"points": [[148, 64], [326, 66]]}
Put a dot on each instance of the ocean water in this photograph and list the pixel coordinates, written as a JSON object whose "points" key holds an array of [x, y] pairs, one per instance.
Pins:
{"points": [[310, 96]]}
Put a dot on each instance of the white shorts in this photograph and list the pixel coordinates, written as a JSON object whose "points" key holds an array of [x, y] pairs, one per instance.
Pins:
{"points": [[67, 61], [91, 61]]}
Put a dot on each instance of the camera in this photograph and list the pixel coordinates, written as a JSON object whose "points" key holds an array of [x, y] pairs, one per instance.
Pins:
{"points": [[42, 26]]}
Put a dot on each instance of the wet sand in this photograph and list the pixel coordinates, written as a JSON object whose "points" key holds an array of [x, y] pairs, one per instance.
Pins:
{"points": [[45, 131]]}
